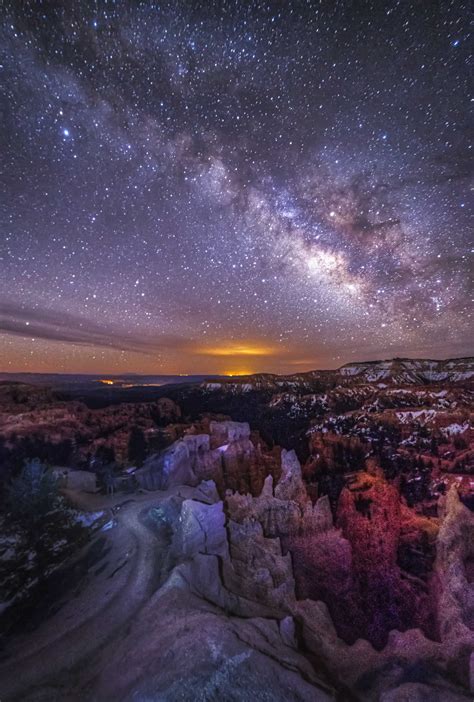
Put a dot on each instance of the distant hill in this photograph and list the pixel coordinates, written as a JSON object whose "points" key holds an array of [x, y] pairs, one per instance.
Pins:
{"points": [[68, 380], [396, 371]]}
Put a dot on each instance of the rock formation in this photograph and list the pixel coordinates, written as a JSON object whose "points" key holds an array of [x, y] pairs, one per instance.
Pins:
{"points": [[351, 578], [225, 455]]}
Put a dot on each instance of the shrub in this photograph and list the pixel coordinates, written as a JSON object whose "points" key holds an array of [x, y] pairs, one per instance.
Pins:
{"points": [[32, 494]]}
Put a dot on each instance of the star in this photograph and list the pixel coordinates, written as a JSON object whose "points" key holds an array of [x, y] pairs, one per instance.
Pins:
{"points": [[181, 181]]}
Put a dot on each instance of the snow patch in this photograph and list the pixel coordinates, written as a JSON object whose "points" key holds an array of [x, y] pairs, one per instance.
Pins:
{"points": [[456, 429], [87, 519]]}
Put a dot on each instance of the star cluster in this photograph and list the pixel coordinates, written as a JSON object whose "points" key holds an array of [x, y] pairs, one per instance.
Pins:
{"points": [[228, 187]]}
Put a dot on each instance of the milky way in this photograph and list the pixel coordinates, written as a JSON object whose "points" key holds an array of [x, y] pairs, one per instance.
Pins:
{"points": [[233, 186]]}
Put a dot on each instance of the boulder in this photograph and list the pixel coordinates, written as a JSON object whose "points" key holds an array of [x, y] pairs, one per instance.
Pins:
{"points": [[70, 479]]}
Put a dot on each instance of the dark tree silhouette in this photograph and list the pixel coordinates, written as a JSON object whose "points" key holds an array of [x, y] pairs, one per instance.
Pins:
{"points": [[137, 447]]}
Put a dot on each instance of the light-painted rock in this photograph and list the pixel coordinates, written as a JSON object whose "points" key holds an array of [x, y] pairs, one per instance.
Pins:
{"points": [[225, 454], [200, 529], [287, 631], [291, 485], [259, 570], [267, 490], [318, 517], [228, 432], [197, 443], [197, 653]]}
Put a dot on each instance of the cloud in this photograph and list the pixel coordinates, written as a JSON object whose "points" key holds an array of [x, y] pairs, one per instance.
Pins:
{"points": [[52, 325]]}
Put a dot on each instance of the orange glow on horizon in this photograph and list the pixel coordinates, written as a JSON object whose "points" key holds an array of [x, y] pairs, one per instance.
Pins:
{"points": [[220, 357], [243, 349]]}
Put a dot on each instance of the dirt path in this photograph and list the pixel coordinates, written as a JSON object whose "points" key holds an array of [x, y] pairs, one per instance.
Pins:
{"points": [[115, 586]]}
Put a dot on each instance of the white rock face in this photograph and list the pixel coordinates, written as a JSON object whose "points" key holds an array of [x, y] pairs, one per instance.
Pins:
{"points": [[287, 631], [285, 510], [401, 371], [200, 529], [291, 486], [198, 457], [177, 464], [183, 463], [206, 491], [228, 432], [260, 572]]}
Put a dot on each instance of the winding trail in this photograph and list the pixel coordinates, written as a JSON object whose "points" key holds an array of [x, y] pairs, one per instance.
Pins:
{"points": [[113, 589]]}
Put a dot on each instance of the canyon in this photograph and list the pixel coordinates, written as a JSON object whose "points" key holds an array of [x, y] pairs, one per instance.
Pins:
{"points": [[304, 537]]}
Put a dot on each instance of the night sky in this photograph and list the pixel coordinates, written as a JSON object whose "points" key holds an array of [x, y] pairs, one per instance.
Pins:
{"points": [[231, 187]]}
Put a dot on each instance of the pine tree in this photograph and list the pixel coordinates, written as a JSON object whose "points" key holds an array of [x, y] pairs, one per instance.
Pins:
{"points": [[137, 446], [32, 494]]}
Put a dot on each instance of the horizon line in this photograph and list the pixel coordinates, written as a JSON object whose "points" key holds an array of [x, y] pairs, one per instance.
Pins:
{"points": [[114, 374]]}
